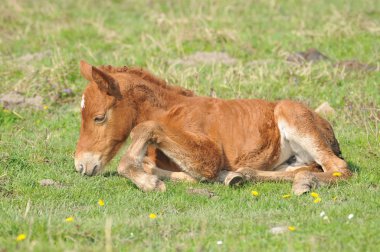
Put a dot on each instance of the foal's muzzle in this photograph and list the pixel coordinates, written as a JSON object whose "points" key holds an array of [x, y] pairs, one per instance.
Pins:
{"points": [[88, 163]]}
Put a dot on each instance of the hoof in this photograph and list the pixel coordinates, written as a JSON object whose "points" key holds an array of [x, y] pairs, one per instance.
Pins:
{"points": [[304, 182], [234, 179], [149, 183], [160, 186]]}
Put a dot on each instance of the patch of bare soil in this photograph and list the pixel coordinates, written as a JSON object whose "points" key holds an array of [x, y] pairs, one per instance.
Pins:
{"points": [[206, 58], [33, 56], [355, 65], [279, 230], [50, 182], [13, 100], [310, 55], [201, 192]]}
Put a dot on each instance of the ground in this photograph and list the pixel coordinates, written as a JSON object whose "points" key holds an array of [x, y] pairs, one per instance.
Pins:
{"points": [[240, 49]]}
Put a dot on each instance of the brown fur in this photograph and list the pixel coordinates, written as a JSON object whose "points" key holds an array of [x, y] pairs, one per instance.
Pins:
{"points": [[198, 136]]}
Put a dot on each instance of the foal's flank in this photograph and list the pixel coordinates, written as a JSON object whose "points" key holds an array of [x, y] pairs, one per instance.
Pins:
{"points": [[178, 135]]}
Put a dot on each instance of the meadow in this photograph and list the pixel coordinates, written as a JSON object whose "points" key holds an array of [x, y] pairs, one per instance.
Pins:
{"points": [[239, 49]]}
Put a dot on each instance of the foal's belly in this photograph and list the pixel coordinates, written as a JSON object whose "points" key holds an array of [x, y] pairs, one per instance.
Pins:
{"points": [[250, 136]]}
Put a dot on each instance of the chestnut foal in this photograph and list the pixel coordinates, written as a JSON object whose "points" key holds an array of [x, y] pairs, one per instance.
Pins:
{"points": [[178, 135]]}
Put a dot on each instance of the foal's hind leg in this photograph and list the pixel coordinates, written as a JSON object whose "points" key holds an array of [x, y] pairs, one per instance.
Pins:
{"points": [[151, 168], [311, 138], [226, 177]]}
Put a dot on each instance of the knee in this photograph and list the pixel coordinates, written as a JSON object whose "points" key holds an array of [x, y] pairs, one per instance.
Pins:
{"points": [[128, 164]]}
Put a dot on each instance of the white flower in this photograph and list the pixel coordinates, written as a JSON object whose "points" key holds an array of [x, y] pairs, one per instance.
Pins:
{"points": [[322, 214], [350, 216], [219, 242], [325, 217]]}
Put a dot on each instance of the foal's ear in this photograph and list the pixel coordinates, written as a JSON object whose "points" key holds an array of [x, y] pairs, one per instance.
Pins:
{"points": [[106, 83], [86, 70]]}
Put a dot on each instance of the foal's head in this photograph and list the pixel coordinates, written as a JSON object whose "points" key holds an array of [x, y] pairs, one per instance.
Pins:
{"points": [[107, 119]]}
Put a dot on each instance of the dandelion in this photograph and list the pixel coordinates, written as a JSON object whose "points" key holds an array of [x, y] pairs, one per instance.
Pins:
{"points": [[152, 216], [69, 219], [21, 237], [45, 107], [350, 216], [255, 193], [337, 174], [317, 200], [219, 242], [314, 195], [286, 196], [101, 202], [291, 228]]}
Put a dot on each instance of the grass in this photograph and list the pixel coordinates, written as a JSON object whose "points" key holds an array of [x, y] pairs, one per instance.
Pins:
{"points": [[41, 44]]}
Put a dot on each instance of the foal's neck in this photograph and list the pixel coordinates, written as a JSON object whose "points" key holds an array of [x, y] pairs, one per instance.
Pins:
{"points": [[152, 100]]}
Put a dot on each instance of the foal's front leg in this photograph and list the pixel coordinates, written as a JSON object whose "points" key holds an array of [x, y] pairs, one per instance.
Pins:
{"points": [[131, 164], [197, 156]]}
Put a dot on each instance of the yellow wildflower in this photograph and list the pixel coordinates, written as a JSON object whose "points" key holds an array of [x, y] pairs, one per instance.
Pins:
{"points": [[317, 200], [286, 196], [152, 216], [291, 228], [69, 219], [45, 107], [337, 174], [6, 111], [314, 195], [21, 237], [101, 202], [255, 193]]}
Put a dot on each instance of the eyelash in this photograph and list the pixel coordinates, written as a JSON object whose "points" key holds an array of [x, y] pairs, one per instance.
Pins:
{"points": [[100, 119]]}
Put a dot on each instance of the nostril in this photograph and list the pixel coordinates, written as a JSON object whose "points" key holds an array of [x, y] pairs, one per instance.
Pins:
{"points": [[81, 168], [94, 170]]}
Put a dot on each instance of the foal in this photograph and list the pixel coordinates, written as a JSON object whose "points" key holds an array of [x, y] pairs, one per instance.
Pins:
{"points": [[178, 135]]}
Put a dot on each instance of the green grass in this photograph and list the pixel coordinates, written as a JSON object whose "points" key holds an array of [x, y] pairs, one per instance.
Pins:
{"points": [[41, 44]]}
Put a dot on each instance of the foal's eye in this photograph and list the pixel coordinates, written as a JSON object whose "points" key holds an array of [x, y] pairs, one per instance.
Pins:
{"points": [[100, 119]]}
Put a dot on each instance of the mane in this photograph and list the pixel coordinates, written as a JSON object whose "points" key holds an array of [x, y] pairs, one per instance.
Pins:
{"points": [[146, 75]]}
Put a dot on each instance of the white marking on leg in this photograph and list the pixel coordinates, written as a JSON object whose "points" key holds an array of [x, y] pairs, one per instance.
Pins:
{"points": [[285, 149], [295, 144]]}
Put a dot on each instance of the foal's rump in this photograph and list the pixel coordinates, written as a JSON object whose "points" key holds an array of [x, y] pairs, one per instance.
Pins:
{"points": [[266, 135]]}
